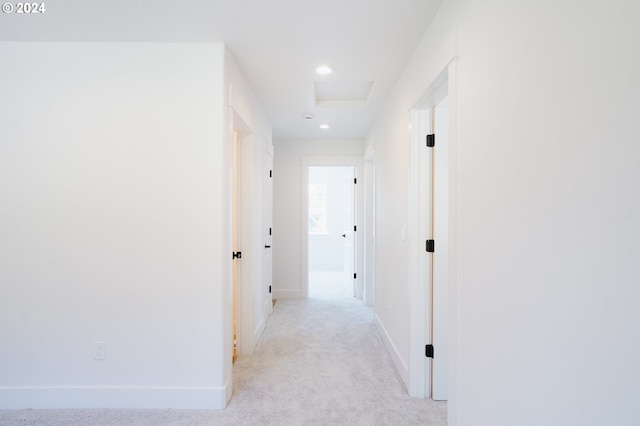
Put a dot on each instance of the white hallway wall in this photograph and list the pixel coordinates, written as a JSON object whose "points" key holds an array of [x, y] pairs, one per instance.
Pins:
{"points": [[287, 205], [113, 225], [548, 184]]}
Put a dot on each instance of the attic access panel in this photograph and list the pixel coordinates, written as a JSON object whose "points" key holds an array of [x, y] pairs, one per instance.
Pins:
{"points": [[331, 94]]}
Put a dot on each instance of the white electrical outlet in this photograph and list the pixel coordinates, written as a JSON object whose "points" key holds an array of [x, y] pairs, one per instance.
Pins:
{"points": [[99, 350]]}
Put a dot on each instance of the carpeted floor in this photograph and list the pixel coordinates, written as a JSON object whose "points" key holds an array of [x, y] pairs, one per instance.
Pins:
{"points": [[320, 361]]}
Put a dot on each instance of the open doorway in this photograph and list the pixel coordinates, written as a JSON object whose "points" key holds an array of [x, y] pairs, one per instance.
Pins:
{"points": [[240, 174], [331, 233], [347, 173]]}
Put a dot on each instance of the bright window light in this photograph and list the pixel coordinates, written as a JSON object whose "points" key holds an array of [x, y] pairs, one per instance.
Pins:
{"points": [[317, 209]]}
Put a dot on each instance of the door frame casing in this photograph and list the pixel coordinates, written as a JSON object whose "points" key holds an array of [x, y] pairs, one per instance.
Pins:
{"points": [[267, 222], [369, 229], [313, 161], [420, 262], [243, 286]]}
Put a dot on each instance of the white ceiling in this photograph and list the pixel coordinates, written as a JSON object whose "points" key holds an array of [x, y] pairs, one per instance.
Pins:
{"points": [[278, 44]]}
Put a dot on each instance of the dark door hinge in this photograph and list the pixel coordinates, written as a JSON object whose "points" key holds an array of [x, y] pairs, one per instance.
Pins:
{"points": [[431, 140], [354, 228], [431, 246], [269, 289], [428, 352], [269, 231], [237, 255], [270, 173], [355, 181], [354, 276]]}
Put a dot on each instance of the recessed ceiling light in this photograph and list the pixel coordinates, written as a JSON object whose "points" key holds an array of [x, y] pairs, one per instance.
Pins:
{"points": [[325, 126], [323, 70]]}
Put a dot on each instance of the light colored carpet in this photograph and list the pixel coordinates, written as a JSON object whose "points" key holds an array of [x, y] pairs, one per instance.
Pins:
{"points": [[329, 284], [320, 362]]}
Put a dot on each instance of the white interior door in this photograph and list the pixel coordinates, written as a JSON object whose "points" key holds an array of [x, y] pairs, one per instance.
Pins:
{"points": [[440, 229], [267, 209], [349, 231]]}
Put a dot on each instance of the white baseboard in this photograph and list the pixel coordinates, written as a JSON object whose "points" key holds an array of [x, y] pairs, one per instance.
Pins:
{"points": [[258, 331], [400, 365], [80, 397], [287, 294]]}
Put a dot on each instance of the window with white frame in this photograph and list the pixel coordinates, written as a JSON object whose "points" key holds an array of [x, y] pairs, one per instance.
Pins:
{"points": [[317, 209]]}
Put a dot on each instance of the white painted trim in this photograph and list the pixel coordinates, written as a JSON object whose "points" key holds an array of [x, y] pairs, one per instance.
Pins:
{"points": [[227, 242], [245, 337], [306, 162], [245, 332], [268, 146], [444, 82], [138, 397], [304, 230], [267, 307], [420, 216], [245, 286], [287, 294], [259, 329], [399, 364], [452, 405], [369, 229], [267, 222]]}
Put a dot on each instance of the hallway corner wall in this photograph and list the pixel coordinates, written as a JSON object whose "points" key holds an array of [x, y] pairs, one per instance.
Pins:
{"points": [[547, 235], [111, 225]]}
